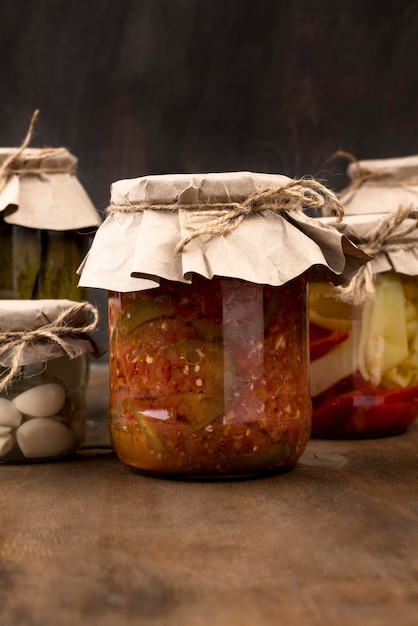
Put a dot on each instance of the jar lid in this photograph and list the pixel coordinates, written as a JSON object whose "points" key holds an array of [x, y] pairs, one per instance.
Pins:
{"points": [[34, 331], [391, 239], [380, 213], [41, 190], [235, 224], [380, 186]]}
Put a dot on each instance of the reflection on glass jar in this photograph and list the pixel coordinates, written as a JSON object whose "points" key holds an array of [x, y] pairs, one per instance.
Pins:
{"points": [[209, 379], [364, 359], [42, 413]]}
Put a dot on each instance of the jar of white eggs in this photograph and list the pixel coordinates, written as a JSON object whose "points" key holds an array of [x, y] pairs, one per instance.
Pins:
{"points": [[44, 351]]}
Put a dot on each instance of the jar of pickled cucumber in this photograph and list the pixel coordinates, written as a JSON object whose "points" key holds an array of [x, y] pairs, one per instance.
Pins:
{"points": [[364, 334], [46, 221], [44, 349], [208, 349]]}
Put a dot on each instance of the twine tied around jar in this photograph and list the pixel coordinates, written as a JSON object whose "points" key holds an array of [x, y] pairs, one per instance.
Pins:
{"points": [[14, 343], [219, 218], [23, 164], [388, 236], [365, 175]]}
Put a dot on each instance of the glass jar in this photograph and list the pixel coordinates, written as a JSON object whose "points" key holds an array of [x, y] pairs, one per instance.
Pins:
{"points": [[364, 359], [46, 222], [208, 342], [209, 379], [39, 263], [44, 358], [43, 412]]}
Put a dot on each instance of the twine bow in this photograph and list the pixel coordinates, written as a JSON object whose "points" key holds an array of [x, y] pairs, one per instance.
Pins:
{"points": [[15, 343], [219, 218], [31, 164], [387, 236]]}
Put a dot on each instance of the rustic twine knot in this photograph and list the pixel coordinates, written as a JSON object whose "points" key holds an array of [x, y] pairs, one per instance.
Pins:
{"points": [[389, 235], [19, 163], [15, 343], [219, 218]]}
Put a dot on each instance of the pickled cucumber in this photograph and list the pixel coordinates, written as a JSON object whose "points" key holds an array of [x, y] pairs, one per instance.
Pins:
{"points": [[39, 264], [60, 260], [26, 259], [6, 262], [206, 358]]}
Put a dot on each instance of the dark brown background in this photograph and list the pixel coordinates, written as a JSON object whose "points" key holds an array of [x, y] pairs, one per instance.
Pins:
{"points": [[136, 87]]}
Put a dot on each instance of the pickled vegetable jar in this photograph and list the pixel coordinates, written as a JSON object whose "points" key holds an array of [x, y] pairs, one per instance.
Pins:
{"points": [[364, 334], [43, 378], [208, 345], [46, 222], [364, 360], [210, 377]]}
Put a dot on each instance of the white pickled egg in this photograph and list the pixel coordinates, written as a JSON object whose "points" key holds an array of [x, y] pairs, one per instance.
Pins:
{"points": [[9, 414], [42, 437], [4, 430], [41, 401], [6, 444]]}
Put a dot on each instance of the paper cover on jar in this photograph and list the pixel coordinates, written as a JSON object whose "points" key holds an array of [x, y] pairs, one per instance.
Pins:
{"points": [[35, 331], [381, 185], [380, 212], [41, 190], [172, 226]]}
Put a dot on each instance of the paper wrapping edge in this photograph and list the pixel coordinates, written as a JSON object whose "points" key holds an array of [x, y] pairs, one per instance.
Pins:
{"points": [[37, 313], [323, 253], [398, 185], [404, 260], [48, 201]]}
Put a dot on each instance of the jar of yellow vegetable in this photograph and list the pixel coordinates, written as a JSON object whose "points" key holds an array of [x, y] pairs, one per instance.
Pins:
{"points": [[364, 334]]}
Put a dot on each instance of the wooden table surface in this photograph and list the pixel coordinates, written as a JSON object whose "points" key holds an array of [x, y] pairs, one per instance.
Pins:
{"points": [[334, 541]]}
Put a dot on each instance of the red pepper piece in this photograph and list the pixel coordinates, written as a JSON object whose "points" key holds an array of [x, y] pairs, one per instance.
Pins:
{"points": [[381, 412], [322, 340]]}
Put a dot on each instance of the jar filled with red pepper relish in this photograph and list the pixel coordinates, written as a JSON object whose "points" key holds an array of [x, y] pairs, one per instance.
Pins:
{"points": [[364, 334], [208, 350]]}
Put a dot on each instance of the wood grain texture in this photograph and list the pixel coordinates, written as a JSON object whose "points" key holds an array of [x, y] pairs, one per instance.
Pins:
{"points": [[334, 540]]}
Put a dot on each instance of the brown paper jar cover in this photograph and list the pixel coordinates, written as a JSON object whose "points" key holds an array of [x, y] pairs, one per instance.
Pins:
{"points": [[378, 189], [378, 186], [52, 199], [132, 250], [23, 316]]}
